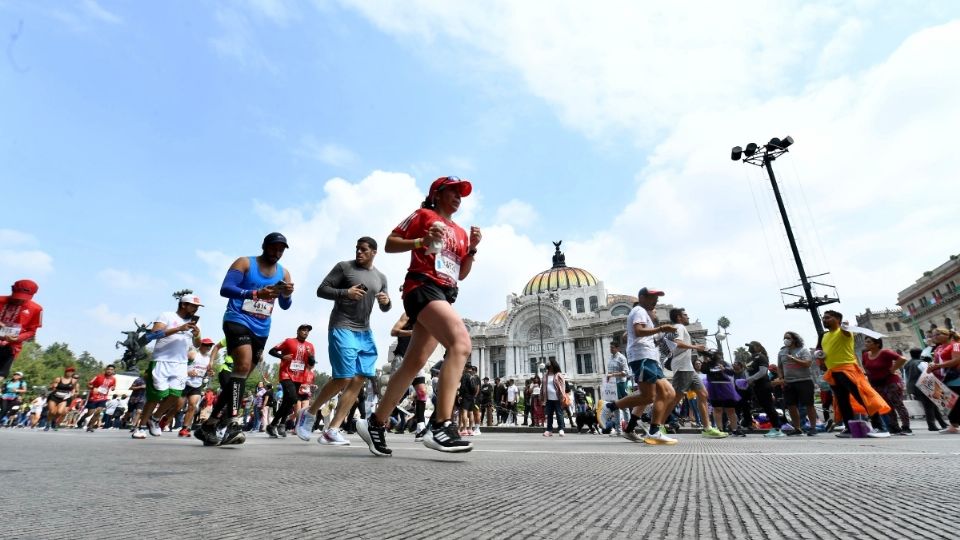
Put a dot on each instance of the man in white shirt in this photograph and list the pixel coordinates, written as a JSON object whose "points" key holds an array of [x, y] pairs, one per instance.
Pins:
{"points": [[512, 393], [109, 410], [617, 370], [166, 377], [685, 378], [643, 358]]}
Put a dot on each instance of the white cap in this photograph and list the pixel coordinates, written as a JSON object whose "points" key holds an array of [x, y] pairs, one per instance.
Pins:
{"points": [[191, 299]]}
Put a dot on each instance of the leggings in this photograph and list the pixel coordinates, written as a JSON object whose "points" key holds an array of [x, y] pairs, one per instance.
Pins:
{"points": [[954, 416], [892, 393], [843, 389], [761, 390], [286, 404]]}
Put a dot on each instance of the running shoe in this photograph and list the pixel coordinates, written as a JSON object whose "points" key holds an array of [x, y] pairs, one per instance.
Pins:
{"points": [[713, 433], [950, 430], [547, 434], [208, 434], [282, 430], [632, 436], [272, 431], [659, 438], [812, 432], [828, 427], [333, 437], [845, 434], [774, 434], [446, 439], [561, 433], [305, 422], [233, 435], [476, 430], [46, 428], [421, 432], [139, 434], [739, 433], [374, 435], [154, 426], [877, 434]]}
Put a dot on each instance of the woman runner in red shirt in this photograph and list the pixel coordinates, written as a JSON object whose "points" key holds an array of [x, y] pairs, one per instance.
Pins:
{"points": [[441, 255]]}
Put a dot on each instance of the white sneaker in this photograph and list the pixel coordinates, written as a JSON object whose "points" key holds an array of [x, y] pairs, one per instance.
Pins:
{"points": [[659, 438], [561, 433], [138, 434], [305, 424], [333, 437], [874, 434], [476, 430], [154, 426]]}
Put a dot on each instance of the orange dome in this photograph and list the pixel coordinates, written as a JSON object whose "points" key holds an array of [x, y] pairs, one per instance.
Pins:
{"points": [[559, 278]]}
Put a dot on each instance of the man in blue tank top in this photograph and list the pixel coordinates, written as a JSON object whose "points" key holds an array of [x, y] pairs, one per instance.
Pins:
{"points": [[253, 285]]}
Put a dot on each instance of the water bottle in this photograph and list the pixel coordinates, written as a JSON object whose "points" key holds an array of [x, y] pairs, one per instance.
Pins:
{"points": [[436, 246]]}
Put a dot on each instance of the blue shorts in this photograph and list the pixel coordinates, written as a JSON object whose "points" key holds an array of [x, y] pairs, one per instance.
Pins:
{"points": [[351, 352], [646, 370]]}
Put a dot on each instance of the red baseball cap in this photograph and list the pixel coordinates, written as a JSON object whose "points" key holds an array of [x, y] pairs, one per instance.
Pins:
{"points": [[206, 341], [650, 292], [464, 186], [23, 289]]}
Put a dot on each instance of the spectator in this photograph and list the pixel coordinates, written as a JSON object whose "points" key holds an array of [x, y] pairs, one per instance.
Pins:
{"points": [[552, 393]]}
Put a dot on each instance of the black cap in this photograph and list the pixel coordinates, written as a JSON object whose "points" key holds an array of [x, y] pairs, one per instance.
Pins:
{"points": [[307, 326], [275, 238]]}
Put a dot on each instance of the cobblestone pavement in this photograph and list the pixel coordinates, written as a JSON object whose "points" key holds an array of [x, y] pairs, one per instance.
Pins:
{"points": [[105, 485]]}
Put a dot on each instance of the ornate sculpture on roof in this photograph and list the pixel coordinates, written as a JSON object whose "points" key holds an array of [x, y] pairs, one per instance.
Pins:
{"points": [[559, 259]]}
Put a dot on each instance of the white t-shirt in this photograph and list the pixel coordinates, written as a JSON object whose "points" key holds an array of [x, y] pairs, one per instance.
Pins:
{"points": [[111, 406], [639, 348], [682, 358], [200, 364], [512, 392], [551, 389], [174, 347]]}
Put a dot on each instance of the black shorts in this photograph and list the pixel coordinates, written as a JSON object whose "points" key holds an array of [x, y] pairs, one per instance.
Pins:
{"points": [[6, 360], [135, 405], [191, 391], [52, 398], [238, 334], [798, 393], [467, 404], [417, 299], [419, 380], [723, 403]]}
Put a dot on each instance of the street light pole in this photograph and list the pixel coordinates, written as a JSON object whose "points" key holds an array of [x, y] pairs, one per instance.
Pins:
{"points": [[542, 358]]}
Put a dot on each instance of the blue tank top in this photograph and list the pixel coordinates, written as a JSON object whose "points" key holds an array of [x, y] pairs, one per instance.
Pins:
{"points": [[254, 314]]}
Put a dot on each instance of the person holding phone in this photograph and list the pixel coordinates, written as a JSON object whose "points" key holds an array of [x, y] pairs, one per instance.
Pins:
{"points": [[166, 376], [253, 286]]}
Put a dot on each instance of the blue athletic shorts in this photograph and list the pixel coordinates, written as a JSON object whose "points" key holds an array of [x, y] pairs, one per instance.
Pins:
{"points": [[351, 352], [646, 370]]}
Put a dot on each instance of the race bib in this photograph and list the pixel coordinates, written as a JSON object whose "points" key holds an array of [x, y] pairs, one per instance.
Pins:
{"points": [[258, 308], [62, 395], [296, 365], [103, 390], [9, 332], [446, 265], [305, 389]]}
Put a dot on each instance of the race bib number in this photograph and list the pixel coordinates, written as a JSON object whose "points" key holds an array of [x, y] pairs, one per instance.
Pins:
{"points": [[296, 365], [103, 390], [258, 308], [446, 265], [9, 331], [62, 395]]}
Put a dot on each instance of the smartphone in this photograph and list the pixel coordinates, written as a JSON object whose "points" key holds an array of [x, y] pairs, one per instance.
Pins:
{"points": [[362, 287], [195, 319], [281, 284]]}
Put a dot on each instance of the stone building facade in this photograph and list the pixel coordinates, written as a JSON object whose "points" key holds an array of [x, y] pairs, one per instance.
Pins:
{"points": [[899, 334], [934, 300]]}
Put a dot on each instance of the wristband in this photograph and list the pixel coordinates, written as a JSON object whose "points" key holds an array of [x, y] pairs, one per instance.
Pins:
{"points": [[255, 296], [472, 252], [417, 243]]}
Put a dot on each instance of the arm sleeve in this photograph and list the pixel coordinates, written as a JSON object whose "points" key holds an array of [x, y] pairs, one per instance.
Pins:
{"points": [[285, 302], [327, 289], [761, 373], [231, 286]]}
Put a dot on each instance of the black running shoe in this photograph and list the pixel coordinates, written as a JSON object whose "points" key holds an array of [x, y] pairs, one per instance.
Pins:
{"points": [[233, 435], [282, 430], [446, 438], [208, 434], [272, 431], [374, 435]]}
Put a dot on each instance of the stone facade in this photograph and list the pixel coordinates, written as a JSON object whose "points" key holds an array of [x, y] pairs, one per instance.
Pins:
{"points": [[934, 300], [899, 334]]}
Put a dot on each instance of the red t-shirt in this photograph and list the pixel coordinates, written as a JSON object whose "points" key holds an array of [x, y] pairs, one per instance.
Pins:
{"points": [[878, 368], [102, 385], [443, 268], [946, 353], [295, 368], [27, 316]]}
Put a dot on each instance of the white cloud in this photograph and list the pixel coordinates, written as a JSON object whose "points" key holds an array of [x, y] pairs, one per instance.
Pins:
{"points": [[126, 280], [329, 153], [278, 11], [10, 237], [19, 258], [95, 10], [516, 213], [238, 40]]}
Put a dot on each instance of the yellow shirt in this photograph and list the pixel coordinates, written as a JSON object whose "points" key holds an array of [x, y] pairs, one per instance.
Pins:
{"points": [[838, 349]]}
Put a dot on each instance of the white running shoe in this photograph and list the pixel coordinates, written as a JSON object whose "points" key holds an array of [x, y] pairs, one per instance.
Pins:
{"points": [[659, 438], [333, 437], [561, 433], [154, 426], [476, 430], [305, 424], [138, 434], [874, 434]]}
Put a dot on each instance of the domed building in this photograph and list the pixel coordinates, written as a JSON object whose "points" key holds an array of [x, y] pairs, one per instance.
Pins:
{"points": [[563, 313]]}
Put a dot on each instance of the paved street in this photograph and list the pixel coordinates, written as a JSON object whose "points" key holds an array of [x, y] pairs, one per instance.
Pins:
{"points": [[105, 485]]}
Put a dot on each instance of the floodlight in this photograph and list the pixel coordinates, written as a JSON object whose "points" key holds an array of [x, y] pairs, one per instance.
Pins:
{"points": [[786, 142], [750, 150], [736, 153]]}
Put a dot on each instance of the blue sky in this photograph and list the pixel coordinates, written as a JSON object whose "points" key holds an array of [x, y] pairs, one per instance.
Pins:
{"points": [[145, 147]]}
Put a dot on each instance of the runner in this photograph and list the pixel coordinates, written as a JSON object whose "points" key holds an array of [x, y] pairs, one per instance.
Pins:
{"points": [[166, 376], [62, 390], [442, 253], [20, 317], [685, 377], [643, 358], [402, 330], [253, 285], [198, 369], [100, 387], [297, 358], [135, 403], [13, 391], [354, 286]]}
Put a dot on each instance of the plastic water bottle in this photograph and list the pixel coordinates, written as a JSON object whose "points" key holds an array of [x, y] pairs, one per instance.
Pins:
{"points": [[436, 246]]}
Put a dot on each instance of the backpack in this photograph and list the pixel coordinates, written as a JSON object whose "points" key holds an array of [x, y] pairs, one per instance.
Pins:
{"points": [[472, 382]]}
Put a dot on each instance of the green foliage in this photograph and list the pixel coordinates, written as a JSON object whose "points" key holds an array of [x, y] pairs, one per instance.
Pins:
{"points": [[741, 354], [723, 322], [41, 366]]}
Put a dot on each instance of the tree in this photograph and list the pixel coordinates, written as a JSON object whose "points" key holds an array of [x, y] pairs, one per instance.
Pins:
{"points": [[723, 322], [741, 355]]}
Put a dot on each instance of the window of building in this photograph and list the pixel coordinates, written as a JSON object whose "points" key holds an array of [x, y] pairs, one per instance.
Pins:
{"points": [[594, 303], [948, 323], [534, 363], [584, 363], [936, 295], [896, 327], [889, 327], [499, 368], [952, 286], [580, 308], [566, 304], [620, 311]]}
